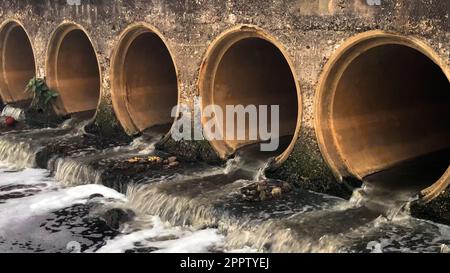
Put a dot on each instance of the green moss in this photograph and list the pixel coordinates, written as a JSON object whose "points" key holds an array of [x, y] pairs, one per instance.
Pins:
{"points": [[37, 118], [191, 150], [306, 168], [43, 98], [438, 210], [106, 123]]}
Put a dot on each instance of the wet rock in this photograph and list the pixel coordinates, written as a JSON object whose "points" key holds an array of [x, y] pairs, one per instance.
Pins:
{"points": [[97, 195], [114, 218], [191, 150], [169, 237], [141, 250], [265, 190], [438, 210]]}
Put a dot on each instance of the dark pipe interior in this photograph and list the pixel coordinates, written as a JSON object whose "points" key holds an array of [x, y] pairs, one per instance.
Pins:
{"points": [[391, 117], [18, 64], [150, 83], [254, 72], [77, 74]]}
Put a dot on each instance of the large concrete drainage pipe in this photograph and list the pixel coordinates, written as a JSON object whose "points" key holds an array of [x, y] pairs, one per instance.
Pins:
{"points": [[245, 66], [383, 113], [73, 70], [144, 81], [17, 63]]}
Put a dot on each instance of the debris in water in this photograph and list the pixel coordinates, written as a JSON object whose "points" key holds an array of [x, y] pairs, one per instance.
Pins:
{"points": [[276, 192], [168, 163], [265, 190], [150, 159], [10, 121]]}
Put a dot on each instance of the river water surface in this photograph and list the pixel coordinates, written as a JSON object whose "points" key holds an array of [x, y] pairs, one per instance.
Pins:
{"points": [[69, 210]]}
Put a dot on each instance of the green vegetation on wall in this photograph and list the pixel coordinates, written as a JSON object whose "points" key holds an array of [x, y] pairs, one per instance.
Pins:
{"points": [[42, 96]]}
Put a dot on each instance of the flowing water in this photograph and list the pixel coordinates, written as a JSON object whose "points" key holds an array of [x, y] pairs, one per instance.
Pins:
{"points": [[187, 209]]}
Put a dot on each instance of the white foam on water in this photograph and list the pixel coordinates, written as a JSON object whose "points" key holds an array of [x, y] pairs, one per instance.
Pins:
{"points": [[375, 247], [16, 211], [400, 233], [244, 250], [407, 235], [125, 242], [197, 242], [166, 239], [232, 164], [143, 146], [9, 176]]}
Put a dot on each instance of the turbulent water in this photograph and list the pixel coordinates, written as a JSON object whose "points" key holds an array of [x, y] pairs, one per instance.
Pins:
{"points": [[69, 210]]}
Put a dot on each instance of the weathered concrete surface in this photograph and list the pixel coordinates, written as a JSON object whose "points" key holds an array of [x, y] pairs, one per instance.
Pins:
{"points": [[311, 31]]}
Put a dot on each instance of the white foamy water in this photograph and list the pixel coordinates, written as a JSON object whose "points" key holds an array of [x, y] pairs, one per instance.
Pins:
{"points": [[163, 238], [68, 213], [29, 217], [10, 176], [51, 197]]}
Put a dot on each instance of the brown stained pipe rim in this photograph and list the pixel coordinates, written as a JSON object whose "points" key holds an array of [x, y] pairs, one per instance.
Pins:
{"points": [[213, 57], [119, 92], [51, 63], [6, 28], [329, 80]]}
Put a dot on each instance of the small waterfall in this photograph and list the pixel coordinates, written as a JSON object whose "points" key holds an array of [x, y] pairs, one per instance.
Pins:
{"points": [[142, 145], [390, 205], [71, 172], [21, 148], [271, 237], [75, 126], [197, 200], [261, 173], [78, 170], [185, 200], [232, 164], [16, 113], [198, 212], [177, 210], [22, 154], [255, 169], [358, 197]]}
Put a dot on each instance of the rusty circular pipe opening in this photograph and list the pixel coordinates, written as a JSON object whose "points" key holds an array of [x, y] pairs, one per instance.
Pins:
{"points": [[17, 62], [144, 81], [383, 113], [73, 70], [245, 66]]}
